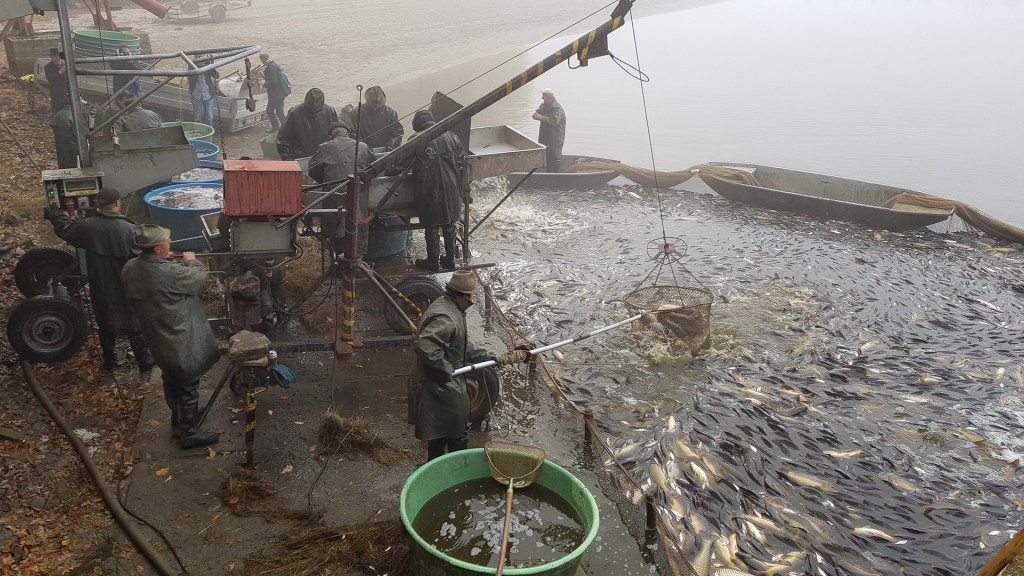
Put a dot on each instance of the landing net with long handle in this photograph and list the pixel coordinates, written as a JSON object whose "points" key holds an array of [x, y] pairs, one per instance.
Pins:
{"points": [[515, 466]]}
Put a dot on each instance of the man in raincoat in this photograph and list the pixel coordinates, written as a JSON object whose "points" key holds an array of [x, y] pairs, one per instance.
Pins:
{"points": [[334, 160], [306, 126], [165, 297], [106, 239], [64, 138], [136, 118], [552, 128], [438, 402], [437, 174], [378, 123]]}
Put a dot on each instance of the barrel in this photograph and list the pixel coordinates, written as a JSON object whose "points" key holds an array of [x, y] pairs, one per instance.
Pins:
{"points": [[205, 150], [184, 223], [451, 470], [383, 243], [195, 130]]}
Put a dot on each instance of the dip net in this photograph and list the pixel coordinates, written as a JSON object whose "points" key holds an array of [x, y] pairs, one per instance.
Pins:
{"points": [[676, 304]]}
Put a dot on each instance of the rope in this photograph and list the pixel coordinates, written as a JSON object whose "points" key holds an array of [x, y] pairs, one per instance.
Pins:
{"points": [[971, 215]]}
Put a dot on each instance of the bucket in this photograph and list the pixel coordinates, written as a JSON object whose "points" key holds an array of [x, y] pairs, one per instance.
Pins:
{"points": [[451, 470], [208, 165], [205, 150], [182, 222], [269, 146], [384, 243], [195, 130]]}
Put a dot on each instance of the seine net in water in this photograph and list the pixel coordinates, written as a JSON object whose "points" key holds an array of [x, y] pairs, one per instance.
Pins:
{"points": [[682, 314]]}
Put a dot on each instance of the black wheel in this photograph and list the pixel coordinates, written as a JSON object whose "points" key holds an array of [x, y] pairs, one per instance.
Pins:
{"points": [[218, 13], [421, 291], [484, 388], [47, 329], [35, 270]]}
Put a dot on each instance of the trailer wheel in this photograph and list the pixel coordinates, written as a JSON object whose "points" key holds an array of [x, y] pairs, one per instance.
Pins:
{"points": [[483, 387], [218, 13], [421, 291], [37, 267], [47, 329]]}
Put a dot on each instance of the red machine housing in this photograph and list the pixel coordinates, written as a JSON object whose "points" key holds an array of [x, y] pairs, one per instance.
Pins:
{"points": [[254, 188]]}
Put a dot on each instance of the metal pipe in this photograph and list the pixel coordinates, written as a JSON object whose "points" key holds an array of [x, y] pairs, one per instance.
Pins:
{"points": [[172, 73], [124, 111], [154, 7], [581, 47], [69, 67]]}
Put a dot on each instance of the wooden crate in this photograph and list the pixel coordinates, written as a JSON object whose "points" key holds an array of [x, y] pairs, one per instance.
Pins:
{"points": [[262, 188]]}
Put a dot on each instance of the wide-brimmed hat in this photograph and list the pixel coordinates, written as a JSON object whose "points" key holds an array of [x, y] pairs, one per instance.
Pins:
{"points": [[150, 235], [108, 196], [338, 124], [463, 281], [548, 91]]}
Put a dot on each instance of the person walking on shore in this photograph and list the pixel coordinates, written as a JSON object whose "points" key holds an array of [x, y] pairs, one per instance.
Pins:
{"points": [[203, 89], [552, 128], [276, 92]]}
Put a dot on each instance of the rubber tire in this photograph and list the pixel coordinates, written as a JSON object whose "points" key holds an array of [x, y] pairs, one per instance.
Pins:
{"points": [[484, 388], [422, 291], [47, 329], [38, 266], [218, 14]]}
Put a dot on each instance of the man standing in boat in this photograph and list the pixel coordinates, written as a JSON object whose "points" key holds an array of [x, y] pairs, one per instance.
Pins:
{"points": [[552, 128]]}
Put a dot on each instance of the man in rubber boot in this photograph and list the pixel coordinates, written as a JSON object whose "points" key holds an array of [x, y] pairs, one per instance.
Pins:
{"points": [[305, 127], [437, 175], [106, 239], [165, 297], [438, 402], [336, 159]]}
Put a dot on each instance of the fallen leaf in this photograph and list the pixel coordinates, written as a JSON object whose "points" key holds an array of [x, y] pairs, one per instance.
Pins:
{"points": [[270, 412], [300, 423], [287, 469], [212, 453], [235, 410], [233, 500], [163, 471]]}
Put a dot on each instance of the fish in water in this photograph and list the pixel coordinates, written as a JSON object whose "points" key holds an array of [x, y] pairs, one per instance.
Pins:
{"points": [[806, 480], [875, 533], [846, 454]]}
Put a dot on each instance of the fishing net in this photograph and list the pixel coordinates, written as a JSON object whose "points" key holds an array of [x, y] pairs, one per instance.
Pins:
{"points": [[514, 462], [678, 312]]}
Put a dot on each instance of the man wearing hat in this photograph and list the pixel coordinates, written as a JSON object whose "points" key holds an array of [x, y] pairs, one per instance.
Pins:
{"points": [[305, 127], [56, 80], [334, 160], [136, 118], [378, 123], [106, 239], [438, 173], [165, 297], [438, 402], [552, 128]]}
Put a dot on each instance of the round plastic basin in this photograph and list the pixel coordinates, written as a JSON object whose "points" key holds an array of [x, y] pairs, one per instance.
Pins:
{"points": [[205, 150], [451, 470], [195, 130], [184, 223]]}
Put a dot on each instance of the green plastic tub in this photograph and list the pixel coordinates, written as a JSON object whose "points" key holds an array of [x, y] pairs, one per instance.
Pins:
{"points": [[269, 146], [453, 469], [195, 130]]}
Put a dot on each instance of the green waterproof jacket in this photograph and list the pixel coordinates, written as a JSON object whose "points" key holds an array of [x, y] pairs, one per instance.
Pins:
{"points": [[63, 124], [137, 119], [303, 131], [437, 175], [552, 127], [336, 158], [438, 403], [107, 241], [165, 297], [380, 129]]}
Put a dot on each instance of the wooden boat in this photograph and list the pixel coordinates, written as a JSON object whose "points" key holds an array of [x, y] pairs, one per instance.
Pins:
{"points": [[566, 179], [821, 196]]}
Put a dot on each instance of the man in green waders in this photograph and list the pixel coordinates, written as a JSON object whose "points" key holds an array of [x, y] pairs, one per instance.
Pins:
{"points": [[438, 402]]}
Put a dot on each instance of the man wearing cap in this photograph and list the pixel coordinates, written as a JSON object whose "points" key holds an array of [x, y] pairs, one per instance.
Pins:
{"points": [[334, 160], [378, 123], [438, 174], [438, 402], [106, 239], [306, 127], [165, 297], [552, 128], [56, 80], [136, 118]]}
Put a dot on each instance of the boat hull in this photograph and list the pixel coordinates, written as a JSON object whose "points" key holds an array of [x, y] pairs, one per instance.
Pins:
{"points": [[566, 180], [826, 197]]}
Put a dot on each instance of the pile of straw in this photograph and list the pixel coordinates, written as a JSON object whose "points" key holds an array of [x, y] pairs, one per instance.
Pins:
{"points": [[379, 547], [343, 435], [247, 494]]}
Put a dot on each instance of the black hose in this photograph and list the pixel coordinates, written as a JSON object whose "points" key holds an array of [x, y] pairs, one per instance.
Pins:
{"points": [[111, 501]]}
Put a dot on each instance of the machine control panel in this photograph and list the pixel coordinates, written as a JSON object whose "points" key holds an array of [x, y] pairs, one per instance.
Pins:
{"points": [[73, 189]]}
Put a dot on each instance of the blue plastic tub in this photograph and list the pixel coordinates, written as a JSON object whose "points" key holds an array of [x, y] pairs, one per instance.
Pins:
{"points": [[212, 165], [205, 150], [185, 224], [384, 243]]}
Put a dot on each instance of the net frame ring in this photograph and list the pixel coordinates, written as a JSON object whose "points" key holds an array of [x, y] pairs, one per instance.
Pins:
{"points": [[517, 456], [668, 249]]}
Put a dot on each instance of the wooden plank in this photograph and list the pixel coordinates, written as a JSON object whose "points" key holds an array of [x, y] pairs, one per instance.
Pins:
{"points": [[1004, 556]]}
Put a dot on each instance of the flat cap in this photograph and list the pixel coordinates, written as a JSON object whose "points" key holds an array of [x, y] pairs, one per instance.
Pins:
{"points": [[150, 235]]}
